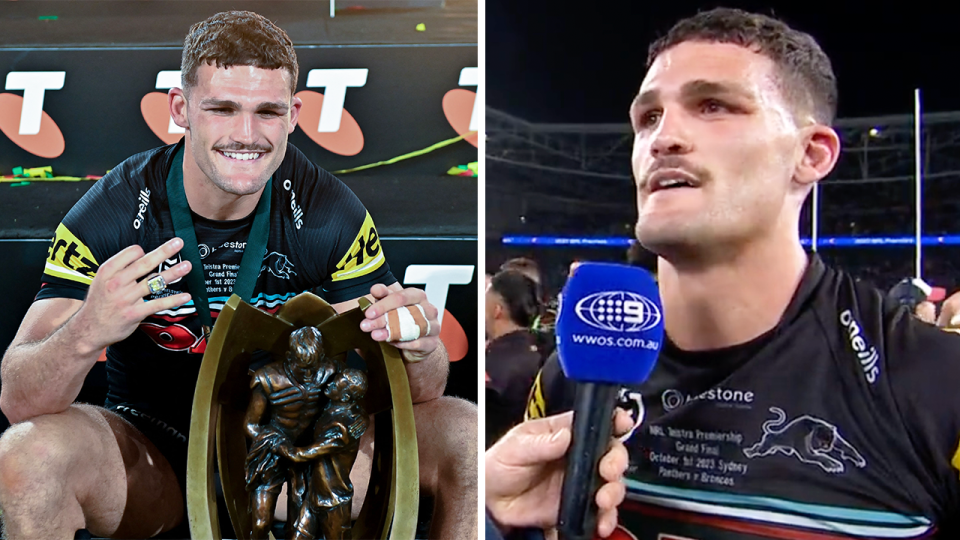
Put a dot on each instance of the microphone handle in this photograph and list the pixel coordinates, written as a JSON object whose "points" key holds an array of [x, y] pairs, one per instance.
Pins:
{"points": [[592, 428]]}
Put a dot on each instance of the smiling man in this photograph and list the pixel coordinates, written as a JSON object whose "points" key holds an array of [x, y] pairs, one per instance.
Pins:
{"points": [[142, 265], [789, 400]]}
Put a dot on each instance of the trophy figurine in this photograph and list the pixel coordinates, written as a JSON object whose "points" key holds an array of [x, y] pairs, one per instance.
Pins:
{"points": [[298, 421], [326, 505], [291, 390]]}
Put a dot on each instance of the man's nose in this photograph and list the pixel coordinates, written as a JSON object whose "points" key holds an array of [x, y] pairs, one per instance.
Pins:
{"points": [[245, 130], [670, 136]]}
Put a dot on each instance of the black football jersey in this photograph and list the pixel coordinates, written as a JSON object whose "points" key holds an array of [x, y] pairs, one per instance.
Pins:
{"points": [[321, 238], [841, 422]]}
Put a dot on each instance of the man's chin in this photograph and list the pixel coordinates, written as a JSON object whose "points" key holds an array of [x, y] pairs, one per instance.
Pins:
{"points": [[664, 239], [240, 187]]}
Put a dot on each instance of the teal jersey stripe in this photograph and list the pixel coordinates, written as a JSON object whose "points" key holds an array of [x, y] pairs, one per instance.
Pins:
{"points": [[806, 509]]}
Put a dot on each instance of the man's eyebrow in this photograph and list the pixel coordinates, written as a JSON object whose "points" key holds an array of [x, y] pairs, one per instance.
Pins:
{"points": [[645, 98], [278, 105], [702, 87], [697, 88], [226, 103]]}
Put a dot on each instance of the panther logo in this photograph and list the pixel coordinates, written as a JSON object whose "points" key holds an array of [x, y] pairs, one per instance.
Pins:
{"points": [[278, 264], [809, 439]]}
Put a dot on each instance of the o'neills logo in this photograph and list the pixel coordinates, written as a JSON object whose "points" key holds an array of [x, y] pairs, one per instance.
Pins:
{"points": [[297, 209], [144, 201], [868, 356]]}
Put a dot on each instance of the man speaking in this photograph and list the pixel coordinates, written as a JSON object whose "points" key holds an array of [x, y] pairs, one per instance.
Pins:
{"points": [[789, 401]]}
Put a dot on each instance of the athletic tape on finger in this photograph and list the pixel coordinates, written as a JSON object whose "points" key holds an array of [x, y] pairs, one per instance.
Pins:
{"points": [[406, 324]]}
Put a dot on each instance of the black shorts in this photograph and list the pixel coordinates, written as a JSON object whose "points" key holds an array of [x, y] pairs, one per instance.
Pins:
{"points": [[168, 440], [171, 443]]}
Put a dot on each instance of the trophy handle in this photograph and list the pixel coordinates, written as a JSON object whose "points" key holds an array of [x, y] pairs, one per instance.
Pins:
{"points": [[222, 394], [240, 330], [393, 492]]}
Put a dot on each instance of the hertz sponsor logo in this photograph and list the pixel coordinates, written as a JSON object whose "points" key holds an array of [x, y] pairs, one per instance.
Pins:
{"points": [[364, 255], [69, 258], [536, 405]]}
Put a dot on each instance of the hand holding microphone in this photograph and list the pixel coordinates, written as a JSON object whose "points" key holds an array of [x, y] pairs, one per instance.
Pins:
{"points": [[609, 334], [524, 472]]}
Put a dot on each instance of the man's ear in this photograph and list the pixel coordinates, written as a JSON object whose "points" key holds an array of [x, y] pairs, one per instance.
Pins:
{"points": [[294, 113], [820, 154], [177, 101]]}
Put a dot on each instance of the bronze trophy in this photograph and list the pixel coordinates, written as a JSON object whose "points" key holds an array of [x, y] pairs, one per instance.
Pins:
{"points": [[298, 420]]}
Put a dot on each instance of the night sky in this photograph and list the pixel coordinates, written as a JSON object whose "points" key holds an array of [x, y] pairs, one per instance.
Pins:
{"points": [[582, 62]]}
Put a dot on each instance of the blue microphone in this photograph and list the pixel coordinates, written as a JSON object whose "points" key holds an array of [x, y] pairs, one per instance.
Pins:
{"points": [[609, 334]]}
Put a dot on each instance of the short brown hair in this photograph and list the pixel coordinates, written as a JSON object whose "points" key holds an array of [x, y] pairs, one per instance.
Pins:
{"points": [[807, 78], [237, 38], [525, 266]]}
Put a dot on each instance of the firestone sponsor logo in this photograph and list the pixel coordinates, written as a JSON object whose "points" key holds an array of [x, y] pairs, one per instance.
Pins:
{"points": [[672, 398]]}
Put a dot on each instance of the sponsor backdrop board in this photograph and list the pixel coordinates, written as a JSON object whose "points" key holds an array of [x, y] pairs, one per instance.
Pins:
{"points": [[84, 110], [445, 267]]}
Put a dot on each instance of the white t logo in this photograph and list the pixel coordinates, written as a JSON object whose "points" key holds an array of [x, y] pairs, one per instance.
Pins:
{"points": [[34, 84], [470, 76], [438, 279], [165, 81], [336, 82]]}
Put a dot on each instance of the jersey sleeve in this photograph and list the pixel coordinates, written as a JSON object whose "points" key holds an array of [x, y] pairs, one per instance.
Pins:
{"points": [[360, 261], [341, 246], [551, 393], [91, 232], [923, 364]]}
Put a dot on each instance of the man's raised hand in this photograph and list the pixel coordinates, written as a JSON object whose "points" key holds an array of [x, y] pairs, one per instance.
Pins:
{"points": [[115, 304]]}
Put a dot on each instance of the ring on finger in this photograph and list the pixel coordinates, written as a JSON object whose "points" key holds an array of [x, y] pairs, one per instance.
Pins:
{"points": [[156, 284]]}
